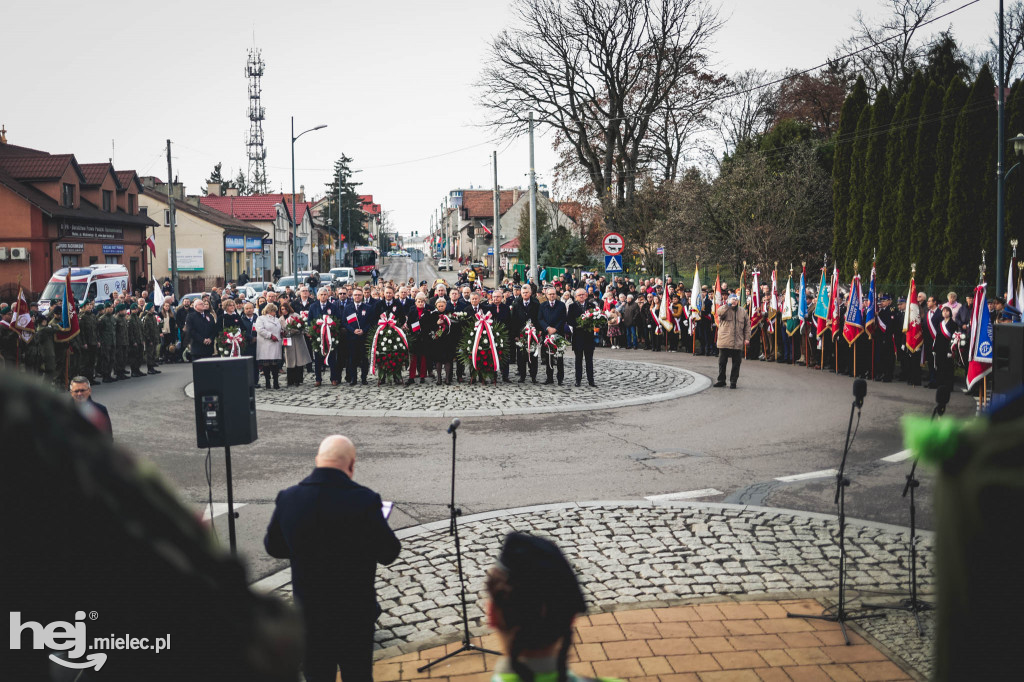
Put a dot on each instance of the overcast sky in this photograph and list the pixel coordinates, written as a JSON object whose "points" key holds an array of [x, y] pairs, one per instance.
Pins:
{"points": [[393, 80]]}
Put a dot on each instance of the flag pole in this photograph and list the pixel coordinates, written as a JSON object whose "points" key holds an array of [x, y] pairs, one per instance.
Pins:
{"points": [[693, 337], [775, 340]]}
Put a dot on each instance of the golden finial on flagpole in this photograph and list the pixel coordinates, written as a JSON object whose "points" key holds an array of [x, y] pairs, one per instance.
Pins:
{"points": [[873, 254], [1013, 243], [856, 264], [913, 269]]}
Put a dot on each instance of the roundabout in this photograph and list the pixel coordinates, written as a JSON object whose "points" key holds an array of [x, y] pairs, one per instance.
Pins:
{"points": [[621, 383]]}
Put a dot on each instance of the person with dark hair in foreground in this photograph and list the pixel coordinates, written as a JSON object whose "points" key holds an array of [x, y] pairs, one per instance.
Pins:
{"points": [[534, 599]]}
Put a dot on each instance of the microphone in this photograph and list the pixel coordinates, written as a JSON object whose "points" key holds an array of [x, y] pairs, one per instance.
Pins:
{"points": [[860, 389], [454, 425]]}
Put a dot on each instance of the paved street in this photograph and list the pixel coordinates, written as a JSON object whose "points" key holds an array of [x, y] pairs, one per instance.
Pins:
{"points": [[714, 445]]}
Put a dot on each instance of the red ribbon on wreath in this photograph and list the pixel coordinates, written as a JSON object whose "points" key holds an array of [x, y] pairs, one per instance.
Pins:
{"points": [[483, 325], [531, 336], [385, 322], [235, 339], [324, 325]]}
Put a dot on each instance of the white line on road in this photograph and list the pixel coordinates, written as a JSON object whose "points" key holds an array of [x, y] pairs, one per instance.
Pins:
{"points": [[218, 509], [687, 495], [824, 473], [898, 457]]}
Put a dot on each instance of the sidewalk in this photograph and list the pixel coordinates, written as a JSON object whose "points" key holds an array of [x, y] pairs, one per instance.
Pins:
{"points": [[734, 641], [670, 585]]}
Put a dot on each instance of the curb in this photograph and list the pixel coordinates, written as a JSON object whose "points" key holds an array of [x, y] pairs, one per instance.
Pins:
{"points": [[698, 384]]}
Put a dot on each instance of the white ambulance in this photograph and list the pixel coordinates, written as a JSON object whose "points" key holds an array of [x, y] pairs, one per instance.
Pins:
{"points": [[95, 283]]}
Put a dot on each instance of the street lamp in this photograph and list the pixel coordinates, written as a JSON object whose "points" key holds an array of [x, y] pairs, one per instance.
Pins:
{"points": [[295, 234], [1018, 149]]}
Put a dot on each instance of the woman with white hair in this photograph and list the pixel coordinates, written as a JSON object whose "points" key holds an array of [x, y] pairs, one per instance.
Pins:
{"points": [[268, 344]]}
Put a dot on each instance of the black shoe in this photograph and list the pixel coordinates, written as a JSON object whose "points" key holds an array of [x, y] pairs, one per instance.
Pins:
{"points": [[410, 381], [719, 384], [506, 380], [109, 380], [592, 384], [533, 379], [559, 382], [522, 380], [363, 382], [547, 382], [151, 371], [577, 384], [136, 373], [732, 385]]}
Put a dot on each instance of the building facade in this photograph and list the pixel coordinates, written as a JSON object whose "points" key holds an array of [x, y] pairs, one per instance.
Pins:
{"points": [[55, 212]]}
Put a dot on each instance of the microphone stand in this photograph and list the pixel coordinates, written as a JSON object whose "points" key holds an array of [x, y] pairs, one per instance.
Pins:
{"points": [[841, 615], [912, 604], [453, 529]]}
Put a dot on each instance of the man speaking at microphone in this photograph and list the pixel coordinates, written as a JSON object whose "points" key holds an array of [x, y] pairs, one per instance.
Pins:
{"points": [[334, 533]]}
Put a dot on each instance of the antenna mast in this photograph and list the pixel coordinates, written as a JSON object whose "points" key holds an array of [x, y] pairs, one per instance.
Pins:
{"points": [[257, 175]]}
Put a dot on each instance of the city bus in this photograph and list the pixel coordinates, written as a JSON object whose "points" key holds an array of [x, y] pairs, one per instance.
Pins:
{"points": [[364, 258]]}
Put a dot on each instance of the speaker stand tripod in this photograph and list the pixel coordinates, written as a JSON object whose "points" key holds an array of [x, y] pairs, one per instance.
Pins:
{"points": [[453, 529], [841, 615]]}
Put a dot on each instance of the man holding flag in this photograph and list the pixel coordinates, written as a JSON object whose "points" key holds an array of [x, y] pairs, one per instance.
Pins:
{"points": [[65, 322]]}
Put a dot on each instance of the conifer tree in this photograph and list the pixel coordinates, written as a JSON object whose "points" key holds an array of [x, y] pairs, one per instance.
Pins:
{"points": [[842, 162], [970, 218], [923, 169], [934, 242], [1015, 183], [874, 176], [846, 250], [900, 210]]}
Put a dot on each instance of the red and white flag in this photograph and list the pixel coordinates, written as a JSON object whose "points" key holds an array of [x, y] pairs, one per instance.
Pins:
{"points": [[151, 243], [21, 319], [912, 320]]}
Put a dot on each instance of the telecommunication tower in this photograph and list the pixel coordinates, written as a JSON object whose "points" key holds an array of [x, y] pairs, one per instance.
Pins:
{"points": [[257, 176]]}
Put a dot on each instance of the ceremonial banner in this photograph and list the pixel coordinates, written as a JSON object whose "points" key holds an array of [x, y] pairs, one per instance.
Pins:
{"points": [[21, 318], [1013, 303], [717, 300], [802, 300], [912, 319], [871, 314], [790, 307], [665, 314], [979, 362], [821, 306], [695, 302], [773, 303], [755, 298], [67, 328], [854, 326]]}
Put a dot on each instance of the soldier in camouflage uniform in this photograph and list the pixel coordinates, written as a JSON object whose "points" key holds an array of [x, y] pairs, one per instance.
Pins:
{"points": [[151, 333], [87, 356], [45, 349], [120, 340], [8, 337], [107, 342], [136, 344]]}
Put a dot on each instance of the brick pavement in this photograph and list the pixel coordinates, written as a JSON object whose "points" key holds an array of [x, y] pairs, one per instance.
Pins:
{"points": [[711, 642]]}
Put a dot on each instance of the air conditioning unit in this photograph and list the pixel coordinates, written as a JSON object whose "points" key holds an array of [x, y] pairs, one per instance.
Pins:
{"points": [[3, 253], [19, 254]]}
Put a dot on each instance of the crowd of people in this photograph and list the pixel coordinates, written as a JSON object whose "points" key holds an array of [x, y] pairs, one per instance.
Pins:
{"points": [[334, 332]]}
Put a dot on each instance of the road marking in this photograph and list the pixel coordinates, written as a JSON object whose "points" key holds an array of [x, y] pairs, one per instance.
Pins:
{"points": [[219, 508], [687, 495], [898, 457], [824, 473]]}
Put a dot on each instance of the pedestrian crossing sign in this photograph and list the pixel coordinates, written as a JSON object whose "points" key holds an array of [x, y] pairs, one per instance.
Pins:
{"points": [[613, 263]]}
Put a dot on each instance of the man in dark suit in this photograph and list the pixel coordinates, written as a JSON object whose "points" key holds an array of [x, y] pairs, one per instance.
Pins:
{"points": [[81, 392], [247, 323], [360, 318], [500, 313], [334, 533], [392, 306], [322, 307], [551, 320], [201, 327], [458, 304], [525, 309], [582, 340]]}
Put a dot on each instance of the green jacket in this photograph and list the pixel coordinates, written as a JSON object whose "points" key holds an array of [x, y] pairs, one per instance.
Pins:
{"points": [[105, 329], [151, 328], [120, 330], [89, 323], [43, 338]]}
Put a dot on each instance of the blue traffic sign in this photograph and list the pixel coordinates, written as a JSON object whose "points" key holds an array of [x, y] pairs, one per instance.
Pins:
{"points": [[613, 263]]}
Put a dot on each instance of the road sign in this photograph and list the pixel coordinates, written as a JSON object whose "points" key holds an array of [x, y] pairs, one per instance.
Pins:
{"points": [[613, 244], [661, 250], [613, 263], [490, 251], [416, 255]]}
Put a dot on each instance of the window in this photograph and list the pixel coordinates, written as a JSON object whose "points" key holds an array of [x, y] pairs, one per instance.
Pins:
{"points": [[280, 259], [67, 197], [93, 260], [112, 260], [69, 260], [167, 216], [143, 210], [107, 195], [131, 204]]}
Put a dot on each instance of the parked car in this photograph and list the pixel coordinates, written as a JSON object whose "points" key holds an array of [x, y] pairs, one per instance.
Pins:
{"points": [[193, 297], [288, 281], [343, 275], [444, 264], [253, 290]]}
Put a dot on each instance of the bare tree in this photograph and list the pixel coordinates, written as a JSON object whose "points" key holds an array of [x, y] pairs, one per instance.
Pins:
{"points": [[1013, 44], [677, 125], [886, 53], [748, 109], [597, 72]]}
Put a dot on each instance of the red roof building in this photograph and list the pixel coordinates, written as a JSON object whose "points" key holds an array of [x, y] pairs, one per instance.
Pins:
{"points": [[55, 213]]}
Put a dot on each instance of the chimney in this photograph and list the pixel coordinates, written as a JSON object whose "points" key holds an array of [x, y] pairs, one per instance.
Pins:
{"points": [[213, 189], [231, 192], [515, 194]]}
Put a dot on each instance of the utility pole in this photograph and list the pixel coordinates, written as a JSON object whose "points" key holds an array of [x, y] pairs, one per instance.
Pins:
{"points": [[533, 278], [170, 213], [338, 257], [496, 262], [295, 229], [1000, 167]]}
